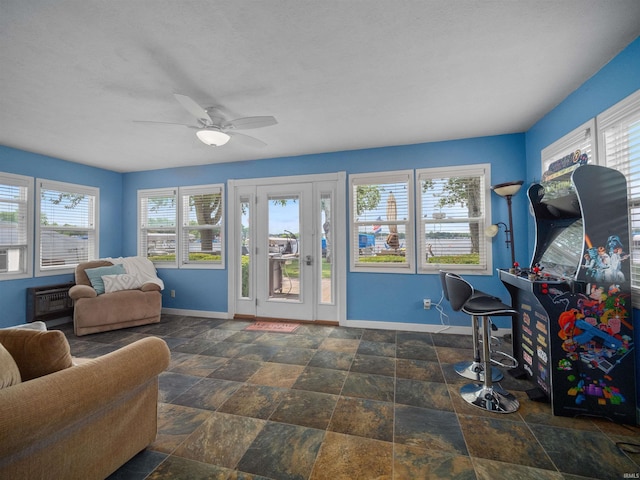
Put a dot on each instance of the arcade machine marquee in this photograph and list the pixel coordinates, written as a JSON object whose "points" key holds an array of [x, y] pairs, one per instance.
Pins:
{"points": [[574, 333]]}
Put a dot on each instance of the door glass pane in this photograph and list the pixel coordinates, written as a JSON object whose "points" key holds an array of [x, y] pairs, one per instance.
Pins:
{"points": [[326, 272], [284, 247], [245, 257]]}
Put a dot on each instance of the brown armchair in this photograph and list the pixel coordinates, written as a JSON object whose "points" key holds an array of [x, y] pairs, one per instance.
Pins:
{"points": [[76, 422], [99, 312]]}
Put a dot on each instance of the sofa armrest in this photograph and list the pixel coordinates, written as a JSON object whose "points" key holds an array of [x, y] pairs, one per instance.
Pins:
{"points": [[41, 407], [82, 291], [150, 287]]}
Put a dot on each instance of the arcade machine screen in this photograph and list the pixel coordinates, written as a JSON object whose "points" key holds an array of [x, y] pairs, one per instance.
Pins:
{"points": [[562, 256]]}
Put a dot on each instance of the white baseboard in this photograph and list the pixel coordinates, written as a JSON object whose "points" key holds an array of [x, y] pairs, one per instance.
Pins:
{"points": [[196, 313], [417, 327], [374, 325]]}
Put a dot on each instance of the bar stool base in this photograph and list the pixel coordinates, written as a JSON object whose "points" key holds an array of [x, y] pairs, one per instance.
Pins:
{"points": [[475, 371], [493, 399]]}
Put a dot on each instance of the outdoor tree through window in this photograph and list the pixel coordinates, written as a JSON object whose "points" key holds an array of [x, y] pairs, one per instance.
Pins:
{"points": [[182, 226], [382, 222], [453, 203]]}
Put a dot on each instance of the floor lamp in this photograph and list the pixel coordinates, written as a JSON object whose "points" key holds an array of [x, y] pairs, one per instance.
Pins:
{"points": [[506, 190]]}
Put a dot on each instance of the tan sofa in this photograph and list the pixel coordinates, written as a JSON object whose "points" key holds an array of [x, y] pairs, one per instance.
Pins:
{"points": [[95, 313], [76, 421]]}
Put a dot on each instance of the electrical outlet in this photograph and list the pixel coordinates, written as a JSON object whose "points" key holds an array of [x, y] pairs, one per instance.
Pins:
{"points": [[173, 294], [426, 303]]}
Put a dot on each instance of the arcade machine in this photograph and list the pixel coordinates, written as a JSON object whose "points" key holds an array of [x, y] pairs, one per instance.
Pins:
{"points": [[574, 333]]}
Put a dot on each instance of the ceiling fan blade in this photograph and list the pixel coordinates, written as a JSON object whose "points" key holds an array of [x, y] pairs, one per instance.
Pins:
{"points": [[193, 108], [247, 123], [164, 123], [246, 139]]}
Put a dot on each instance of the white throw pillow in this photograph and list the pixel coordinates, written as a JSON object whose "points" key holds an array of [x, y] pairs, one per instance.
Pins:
{"points": [[41, 326], [125, 281]]}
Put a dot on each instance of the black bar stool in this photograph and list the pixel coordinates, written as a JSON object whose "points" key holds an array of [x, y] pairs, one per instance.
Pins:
{"points": [[483, 395], [473, 370]]}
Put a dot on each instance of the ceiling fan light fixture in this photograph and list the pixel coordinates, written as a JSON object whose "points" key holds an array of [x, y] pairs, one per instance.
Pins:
{"points": [[212, 137]]}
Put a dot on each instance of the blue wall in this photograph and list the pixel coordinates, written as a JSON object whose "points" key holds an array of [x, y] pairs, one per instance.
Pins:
{"points": [[378, 297], [615, 81], [13, 292]]}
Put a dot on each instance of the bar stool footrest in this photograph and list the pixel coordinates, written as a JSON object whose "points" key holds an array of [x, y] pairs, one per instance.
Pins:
{"points": [[475, 371], [513, 362]]}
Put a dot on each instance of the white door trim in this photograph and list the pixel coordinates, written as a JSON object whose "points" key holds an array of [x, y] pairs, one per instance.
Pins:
{"points": [[233, 235]]}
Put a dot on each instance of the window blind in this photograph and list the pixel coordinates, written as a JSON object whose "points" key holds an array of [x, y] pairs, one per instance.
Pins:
{"points": [[202, 216], [573, 149], [619, 148], [182, 227], [452, 211], [158, 219], [15, 195], [382, 221], [67, 225]]}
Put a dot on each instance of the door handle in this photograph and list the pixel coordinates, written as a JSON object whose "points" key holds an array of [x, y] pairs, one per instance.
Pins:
{"points": [[308, 260]]}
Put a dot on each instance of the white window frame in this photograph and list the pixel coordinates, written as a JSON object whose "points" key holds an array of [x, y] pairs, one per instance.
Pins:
{"points": [[26, 210], [623, 111], [181, 225], [382, 178], [143, 247], [93, 226], [183, 209], [484, 220]]}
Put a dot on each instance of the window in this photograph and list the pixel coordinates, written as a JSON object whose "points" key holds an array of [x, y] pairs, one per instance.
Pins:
{"points": [[198, 242], [202, 227], [452, 204], [382, 222], [564, 155], [67, 226], [157, 220], [619, 148], [16, 224]]}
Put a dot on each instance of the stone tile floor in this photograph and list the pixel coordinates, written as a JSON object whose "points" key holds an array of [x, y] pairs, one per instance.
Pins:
{"points": [[346, 403]]}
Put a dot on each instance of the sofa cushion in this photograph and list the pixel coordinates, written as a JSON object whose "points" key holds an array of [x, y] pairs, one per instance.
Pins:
{"points": [[37, 353], [81, 276], [125, 281], [95, 276], [9, 372]]}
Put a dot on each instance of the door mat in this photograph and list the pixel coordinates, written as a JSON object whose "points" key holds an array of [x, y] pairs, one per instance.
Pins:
{"points": [[273, 327]]}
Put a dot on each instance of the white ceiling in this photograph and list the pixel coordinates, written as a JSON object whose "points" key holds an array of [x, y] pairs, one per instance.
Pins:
{"points": [[337, 74]]}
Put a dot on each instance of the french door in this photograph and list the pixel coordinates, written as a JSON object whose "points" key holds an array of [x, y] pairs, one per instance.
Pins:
{"points": [[286, 264]]}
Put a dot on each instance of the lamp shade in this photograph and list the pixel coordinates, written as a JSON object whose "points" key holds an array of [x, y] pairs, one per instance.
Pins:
{"points": [[507, 189], [212, 137]]}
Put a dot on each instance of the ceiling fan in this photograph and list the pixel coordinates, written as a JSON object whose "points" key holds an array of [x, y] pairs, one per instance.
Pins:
{"points": [[214, 129]]}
